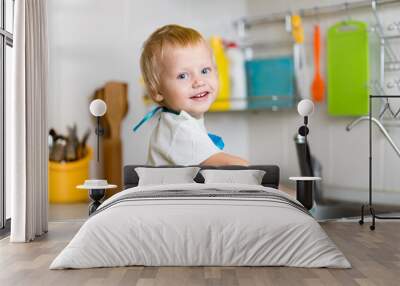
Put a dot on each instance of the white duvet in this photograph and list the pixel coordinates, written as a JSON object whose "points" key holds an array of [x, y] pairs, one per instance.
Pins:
{"points": [[183, 231]]}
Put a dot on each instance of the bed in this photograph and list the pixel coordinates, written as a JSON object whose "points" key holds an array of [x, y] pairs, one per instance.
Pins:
{"points": [[198, 224]]}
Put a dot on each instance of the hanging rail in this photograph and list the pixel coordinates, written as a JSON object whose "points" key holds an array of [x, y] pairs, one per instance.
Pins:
{"points": [[381, 128], [248, 22]]}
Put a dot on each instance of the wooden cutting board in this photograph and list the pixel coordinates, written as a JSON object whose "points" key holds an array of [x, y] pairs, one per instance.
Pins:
{"points": [[348, 69], [115, 95]]}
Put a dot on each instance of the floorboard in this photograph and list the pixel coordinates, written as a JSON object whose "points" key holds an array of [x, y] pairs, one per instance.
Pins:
{"points": [[374, 255]]}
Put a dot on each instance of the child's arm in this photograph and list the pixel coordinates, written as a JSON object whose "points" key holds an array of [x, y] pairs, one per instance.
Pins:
{"points": [[222, 158]]}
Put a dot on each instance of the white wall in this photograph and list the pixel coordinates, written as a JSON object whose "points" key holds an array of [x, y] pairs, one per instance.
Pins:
{"points": [[95, 41]]}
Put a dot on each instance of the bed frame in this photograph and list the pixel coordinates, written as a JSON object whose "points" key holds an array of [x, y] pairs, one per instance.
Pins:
{"points": [[270, 179]]}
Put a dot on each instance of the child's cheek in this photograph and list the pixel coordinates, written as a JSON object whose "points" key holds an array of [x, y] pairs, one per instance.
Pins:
{"points": [[216, 84]]}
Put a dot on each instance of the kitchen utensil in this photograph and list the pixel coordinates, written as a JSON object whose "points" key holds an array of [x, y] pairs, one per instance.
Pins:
{"points": [[318, 84]]}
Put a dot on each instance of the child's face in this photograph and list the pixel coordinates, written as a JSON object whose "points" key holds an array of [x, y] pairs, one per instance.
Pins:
{"points": [[188, 79]]}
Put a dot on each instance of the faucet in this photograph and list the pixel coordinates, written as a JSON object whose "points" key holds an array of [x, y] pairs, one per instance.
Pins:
{"points": [[377, 122]]}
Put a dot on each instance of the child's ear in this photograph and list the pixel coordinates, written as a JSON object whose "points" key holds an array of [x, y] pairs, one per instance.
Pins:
{"points": [[157, 97]]}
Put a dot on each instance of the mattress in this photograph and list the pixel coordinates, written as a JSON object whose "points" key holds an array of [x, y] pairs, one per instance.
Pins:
{"points": [[200, 225]]}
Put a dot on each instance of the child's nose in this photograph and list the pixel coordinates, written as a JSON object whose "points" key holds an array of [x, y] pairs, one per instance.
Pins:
{"points": [[197, 82]]}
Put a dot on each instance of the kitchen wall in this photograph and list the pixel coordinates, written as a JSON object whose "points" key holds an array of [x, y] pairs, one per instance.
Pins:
{"points": [[95, 41], [92, 42], [344, 155]]}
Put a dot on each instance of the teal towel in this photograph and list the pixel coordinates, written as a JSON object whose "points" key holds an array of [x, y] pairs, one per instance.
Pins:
{"points": [[272, 80]]}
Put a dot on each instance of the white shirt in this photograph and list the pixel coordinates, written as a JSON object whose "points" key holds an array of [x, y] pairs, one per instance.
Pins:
{"points": [[180, 140]]}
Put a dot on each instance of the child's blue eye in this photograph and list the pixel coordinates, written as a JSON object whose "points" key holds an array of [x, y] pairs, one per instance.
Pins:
{"points": [[206, 70], [182, 76]]}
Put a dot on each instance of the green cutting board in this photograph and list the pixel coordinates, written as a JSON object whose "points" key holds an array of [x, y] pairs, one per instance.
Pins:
{"points": [[348, 69]]}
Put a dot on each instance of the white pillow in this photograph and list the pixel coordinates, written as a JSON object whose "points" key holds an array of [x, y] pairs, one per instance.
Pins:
{"points": [[163, 176], [248, 177]]}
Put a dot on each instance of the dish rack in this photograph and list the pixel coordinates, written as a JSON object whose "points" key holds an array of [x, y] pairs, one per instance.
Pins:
{"points": [[389, 62]]}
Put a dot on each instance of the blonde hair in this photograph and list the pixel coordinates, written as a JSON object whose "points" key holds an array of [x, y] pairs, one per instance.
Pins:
{"points": [[153, 49]]}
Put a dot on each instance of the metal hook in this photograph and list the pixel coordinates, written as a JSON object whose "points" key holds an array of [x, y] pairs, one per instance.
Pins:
{"points": [[378, 22], [346, 8], [316, 13], [301, 13], [373, 5], [288, 22], [241, 28]]}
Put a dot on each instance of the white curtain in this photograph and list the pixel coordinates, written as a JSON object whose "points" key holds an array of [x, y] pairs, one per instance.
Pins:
{"points": [[26, 121]]}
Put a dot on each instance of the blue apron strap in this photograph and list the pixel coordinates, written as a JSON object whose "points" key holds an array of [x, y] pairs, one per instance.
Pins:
{"points": [[147, 117], [151, 113], [165, 109], [217, 140]]}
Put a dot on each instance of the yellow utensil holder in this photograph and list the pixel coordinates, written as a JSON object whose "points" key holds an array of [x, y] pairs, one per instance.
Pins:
{"points": [[64, 177]]}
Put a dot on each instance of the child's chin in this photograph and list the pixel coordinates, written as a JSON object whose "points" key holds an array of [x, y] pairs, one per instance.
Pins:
{"points": [[199, 111], [201, 106]]}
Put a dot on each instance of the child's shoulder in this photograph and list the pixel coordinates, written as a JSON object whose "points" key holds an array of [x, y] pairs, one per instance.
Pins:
{"points": [[183, 122], [175, 120]]}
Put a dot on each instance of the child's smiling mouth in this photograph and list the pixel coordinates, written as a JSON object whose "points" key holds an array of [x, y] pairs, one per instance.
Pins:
{"points": [[201, 96]]}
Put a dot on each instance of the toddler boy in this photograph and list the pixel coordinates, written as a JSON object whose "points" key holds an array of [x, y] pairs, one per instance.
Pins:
{"points": [[180, 75]]}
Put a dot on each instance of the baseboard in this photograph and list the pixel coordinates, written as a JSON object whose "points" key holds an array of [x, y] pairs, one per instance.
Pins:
{"points": [[361, 195]]}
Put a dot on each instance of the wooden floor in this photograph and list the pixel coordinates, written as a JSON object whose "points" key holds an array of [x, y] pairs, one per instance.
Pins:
{"points": [[374, 255]]}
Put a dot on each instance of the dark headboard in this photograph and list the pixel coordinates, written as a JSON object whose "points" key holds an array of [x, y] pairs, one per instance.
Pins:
{"points": [[270, 179]]}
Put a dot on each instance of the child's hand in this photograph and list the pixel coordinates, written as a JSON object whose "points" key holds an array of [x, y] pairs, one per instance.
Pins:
{"points": [[222, 158]]}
